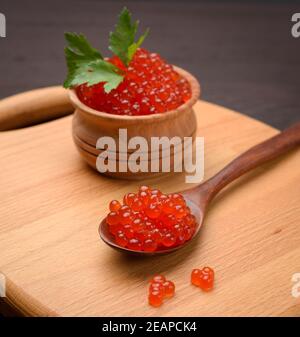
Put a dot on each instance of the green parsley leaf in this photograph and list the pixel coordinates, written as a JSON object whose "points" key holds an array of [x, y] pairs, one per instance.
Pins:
{"points": [[95, 72], [121, 41], [133, 47], [86, 65], [79, 49]]}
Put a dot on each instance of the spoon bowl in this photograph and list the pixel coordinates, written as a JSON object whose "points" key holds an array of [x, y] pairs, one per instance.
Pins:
{"points": [[199, 197], [108, 238]]}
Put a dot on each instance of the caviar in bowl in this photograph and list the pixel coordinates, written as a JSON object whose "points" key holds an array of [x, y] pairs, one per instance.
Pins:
{"points": [[150, 86], [89, 125], [134, 90]]}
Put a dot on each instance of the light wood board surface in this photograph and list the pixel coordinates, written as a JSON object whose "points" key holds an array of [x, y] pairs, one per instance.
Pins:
{"points": [[55, 263]]}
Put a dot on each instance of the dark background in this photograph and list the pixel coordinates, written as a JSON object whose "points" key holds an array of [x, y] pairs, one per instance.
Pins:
{"points": [[242, 52]]}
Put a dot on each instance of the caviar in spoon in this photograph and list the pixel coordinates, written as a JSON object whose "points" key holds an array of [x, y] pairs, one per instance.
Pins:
{"points": [[150, 221]]}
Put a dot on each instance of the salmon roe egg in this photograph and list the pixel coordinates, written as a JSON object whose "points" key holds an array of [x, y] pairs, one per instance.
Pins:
{"points": [[114, 206], [158, 279], [121, 239], [195, 277], [113, 218], [169, 288], [155, 298], [157, 286], [150, 220]]}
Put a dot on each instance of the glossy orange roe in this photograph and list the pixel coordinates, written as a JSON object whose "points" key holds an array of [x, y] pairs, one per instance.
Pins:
{"points": [[203, 278], [150, 86], [150, 220], [169, 288], [159, 289]]}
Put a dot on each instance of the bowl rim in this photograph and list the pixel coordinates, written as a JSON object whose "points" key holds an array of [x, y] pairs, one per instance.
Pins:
{"points": [[195, 88]]}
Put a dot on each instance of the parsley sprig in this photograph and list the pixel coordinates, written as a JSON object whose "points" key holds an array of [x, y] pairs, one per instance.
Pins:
{"points": [[121, 41], [86, 64]]}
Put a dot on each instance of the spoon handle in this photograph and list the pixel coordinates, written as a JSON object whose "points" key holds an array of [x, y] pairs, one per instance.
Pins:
{"points": [[254, 157], [34, 107]]}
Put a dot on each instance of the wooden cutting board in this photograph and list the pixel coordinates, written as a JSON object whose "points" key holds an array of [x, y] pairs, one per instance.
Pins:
{"points": [[55, 263]]}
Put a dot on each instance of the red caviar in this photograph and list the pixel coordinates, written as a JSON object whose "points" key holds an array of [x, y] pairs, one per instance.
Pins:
{"points": [[155, 298], [159, 289], [158, 279], [203, 278], [150, 220], [114, 206], [150, 86], [169, 288]]}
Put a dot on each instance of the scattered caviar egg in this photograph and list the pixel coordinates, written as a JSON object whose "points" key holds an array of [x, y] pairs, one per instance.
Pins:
{"points": [[208, 277], [150, 220], [158, 279], [203, 278], [155, 298], [195, 277], [169, 288], [150, 86], [208, 270], [159, 289]]}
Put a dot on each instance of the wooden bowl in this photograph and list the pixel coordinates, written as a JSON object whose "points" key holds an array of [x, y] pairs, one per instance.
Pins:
{"points": [[91, 160], [90, 154], [96, 151], [89, 124]]}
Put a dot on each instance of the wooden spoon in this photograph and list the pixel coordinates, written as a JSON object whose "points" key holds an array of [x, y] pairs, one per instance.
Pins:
{"points": [[199, 197]]}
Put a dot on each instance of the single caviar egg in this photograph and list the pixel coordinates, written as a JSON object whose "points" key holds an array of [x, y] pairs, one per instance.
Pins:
{"points": [[155, 298], [169, 288], [158, 279], [114, 206], [195, 277], [158, 286], [121, 239], [113, 218], [150, 245]]}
